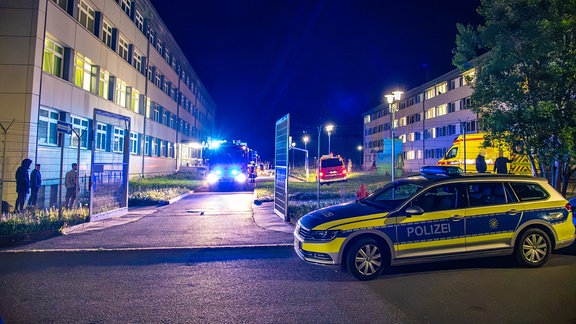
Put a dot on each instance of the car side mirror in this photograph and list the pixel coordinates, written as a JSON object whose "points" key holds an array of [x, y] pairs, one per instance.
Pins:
{"points": [[414, 210]]}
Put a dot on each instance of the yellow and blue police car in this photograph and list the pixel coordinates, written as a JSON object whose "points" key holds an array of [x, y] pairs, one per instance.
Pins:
{"points": [[440, 215]]}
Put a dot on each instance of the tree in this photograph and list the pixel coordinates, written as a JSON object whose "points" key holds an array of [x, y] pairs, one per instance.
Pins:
{"points": [[525, 78]]}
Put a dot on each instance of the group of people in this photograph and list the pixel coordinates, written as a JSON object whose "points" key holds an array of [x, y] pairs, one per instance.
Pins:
{"points": [[31, 183], [500, 165]]}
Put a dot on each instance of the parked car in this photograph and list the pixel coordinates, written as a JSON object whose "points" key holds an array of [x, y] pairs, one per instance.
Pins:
{"points": [[442, 214]]}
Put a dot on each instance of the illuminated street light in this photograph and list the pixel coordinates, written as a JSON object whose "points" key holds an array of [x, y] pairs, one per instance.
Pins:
{"points": [[359, 148], [329, 129], [305, 139], [391, 99]]}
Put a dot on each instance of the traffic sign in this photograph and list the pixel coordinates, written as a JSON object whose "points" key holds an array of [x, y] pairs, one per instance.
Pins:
{"points": [[64, 127]]}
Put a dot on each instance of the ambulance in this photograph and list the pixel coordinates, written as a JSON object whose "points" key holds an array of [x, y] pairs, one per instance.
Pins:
{"points": [[465, 150]]}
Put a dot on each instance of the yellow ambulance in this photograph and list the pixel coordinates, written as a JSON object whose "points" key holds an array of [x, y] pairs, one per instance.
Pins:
{"points": [[465, 150]]}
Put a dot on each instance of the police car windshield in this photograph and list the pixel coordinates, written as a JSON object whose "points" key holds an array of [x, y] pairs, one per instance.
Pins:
{"points": [[393, 195]]}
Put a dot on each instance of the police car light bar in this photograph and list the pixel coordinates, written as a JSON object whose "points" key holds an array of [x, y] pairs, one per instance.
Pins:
{"points": [[440, 170]]}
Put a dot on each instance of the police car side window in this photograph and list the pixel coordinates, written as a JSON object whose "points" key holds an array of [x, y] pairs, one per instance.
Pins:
{"points": [[444, 197], [487, 193], [529, 191]]}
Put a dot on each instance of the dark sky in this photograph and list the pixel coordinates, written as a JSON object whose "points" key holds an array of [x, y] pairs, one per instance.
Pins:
{"points": [[319, 60]]}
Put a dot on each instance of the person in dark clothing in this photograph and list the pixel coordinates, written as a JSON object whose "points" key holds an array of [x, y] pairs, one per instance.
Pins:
{"points": [[501, 164], [22, 184], [35, 183], [481, 163]]}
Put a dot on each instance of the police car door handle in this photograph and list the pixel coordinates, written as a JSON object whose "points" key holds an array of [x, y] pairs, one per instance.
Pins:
{"points": [[513, 211], [457, 218]]}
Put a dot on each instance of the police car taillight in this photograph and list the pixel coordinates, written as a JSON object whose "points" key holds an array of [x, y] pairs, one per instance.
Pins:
{"points": [[568, 207]]}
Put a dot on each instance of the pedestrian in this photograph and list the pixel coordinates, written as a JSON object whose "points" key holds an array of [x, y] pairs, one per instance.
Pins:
{"points": [[35, 183], [501, 163], [71, 183], [22, 184], [481, 163]]}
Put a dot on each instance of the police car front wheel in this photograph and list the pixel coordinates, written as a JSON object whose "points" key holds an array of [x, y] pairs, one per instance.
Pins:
{"points": [[533, 248], [366, 259]]}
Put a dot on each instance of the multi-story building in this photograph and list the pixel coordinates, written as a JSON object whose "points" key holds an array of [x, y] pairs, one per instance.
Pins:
{"points": [[427, 120], [63, 63]]}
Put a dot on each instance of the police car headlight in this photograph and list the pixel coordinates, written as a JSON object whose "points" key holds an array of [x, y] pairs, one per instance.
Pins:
{"points": [[323, 235]]}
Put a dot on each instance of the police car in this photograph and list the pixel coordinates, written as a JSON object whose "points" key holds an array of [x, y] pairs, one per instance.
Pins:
{"points": [[440, 215]]}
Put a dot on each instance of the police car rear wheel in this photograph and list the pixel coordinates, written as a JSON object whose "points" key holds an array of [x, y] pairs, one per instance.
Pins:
{"points": [[366, 259], [533, 248]]}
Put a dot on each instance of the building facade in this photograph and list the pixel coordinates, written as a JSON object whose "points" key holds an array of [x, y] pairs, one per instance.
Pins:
{"points": [[427, 120], [61, 61]]}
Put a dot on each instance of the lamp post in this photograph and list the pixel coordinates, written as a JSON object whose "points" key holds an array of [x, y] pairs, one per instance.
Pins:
{"points": [[293, 145], [391, 99], [329, 129], [305, 139]]}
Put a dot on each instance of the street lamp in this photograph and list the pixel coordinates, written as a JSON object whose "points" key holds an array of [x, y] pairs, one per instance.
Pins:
{"points": [[359, 148], [305, 139], [293, 146], [329, 129], [394, 97]]}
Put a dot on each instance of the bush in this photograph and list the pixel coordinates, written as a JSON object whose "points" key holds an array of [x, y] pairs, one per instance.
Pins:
{"points": [[39, 220], [157, 190]]}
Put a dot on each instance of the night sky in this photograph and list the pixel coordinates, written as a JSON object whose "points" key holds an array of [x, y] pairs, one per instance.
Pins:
{"points": [[320, 61]]}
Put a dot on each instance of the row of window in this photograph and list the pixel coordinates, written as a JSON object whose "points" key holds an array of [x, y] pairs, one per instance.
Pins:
{"points": [[97, 80], [91, 20], [107, 137]]}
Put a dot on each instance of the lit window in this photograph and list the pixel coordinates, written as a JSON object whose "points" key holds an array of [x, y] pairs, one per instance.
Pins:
{"points": [[86, 15], [85, 73], [53, 58], [101, 130], [441, 110], [431, 113], [118, 140], [441, 88], [123, 48], [80, 126], [107, 33], [135, 101], [104, 85], [120, 93], [47, 126], [430, 93], [468, 76]]}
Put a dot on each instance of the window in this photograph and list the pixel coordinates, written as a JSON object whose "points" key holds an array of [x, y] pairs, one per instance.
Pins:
{"points": [[126, 5], [468, 77], [137, 61], [147, 146], [451, 107], [159, 46], [529, 191], [104, 85], [465, 103], [121, 93], [157, 147], [486, 194], [85, 73], [158, 80], [441, 198], [53, 58], [441, 88], [442, 110], [86, 15], [430, 93], [101, 136], [135, 101], [107, 34], [118, 140], [61, 3], [123, 49], [47, 126], [139, 20], [80, 126], [431, 113], [167, 55], [134, 143]]}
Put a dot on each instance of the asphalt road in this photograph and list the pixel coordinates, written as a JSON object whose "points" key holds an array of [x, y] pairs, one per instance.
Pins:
{"points": [[208, 258]]}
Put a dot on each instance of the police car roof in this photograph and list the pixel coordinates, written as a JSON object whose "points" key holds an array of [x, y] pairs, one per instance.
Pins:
{"points": [[464, 177]]}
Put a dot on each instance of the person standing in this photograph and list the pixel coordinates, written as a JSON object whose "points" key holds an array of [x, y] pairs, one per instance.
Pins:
{"points": [[22, 184], [71, 183], [35, 183], [481, 163], [501, 163]]}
